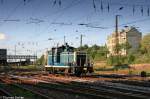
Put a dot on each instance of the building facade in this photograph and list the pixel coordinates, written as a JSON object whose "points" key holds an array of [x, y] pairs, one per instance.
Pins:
{"points": [[130, 36]]}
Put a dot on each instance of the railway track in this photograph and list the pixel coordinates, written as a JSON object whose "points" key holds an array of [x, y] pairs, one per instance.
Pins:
{"points": [[136, 91], [121, 93], [96, 90], [145, 84], [11, 89], [133, 89], [109, 89], [36, 92], [4, 92], [72, 93], [42, 91]]}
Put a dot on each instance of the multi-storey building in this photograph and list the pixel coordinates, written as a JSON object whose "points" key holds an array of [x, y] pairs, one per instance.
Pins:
{"points": [[128, 35]]}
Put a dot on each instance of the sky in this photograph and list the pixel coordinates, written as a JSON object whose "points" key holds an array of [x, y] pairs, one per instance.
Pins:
{"points": [[28, 25]]}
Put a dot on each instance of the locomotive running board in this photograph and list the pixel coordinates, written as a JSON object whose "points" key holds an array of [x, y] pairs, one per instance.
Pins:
{"points": [[58, 66]]}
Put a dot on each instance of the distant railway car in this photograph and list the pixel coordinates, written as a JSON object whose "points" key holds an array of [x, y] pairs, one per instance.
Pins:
{"points": [[3, 57], [65, 59]]}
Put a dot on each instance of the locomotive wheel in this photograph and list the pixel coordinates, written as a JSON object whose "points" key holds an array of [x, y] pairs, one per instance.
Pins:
{"points": [[55, 71], [90, 70], [78, 72], [70, 70]]}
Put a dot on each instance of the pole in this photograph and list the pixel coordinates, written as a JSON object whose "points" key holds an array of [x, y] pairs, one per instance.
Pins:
{"points": [[81, 37], [15, 54], [117, 41], [64, 40], [116, 35]]}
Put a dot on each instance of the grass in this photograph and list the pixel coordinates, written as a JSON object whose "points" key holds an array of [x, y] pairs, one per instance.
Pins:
{"points": [[135, 69], [29, 67]]}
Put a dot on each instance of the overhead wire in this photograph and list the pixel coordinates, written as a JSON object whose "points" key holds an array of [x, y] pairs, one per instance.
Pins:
{"points": [[128, 23], [11, 13], [109, 8], [119, 25], [72, 4]]}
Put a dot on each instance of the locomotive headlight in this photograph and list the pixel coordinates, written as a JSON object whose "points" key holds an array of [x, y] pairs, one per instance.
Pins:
{"points": [[85, 68]]}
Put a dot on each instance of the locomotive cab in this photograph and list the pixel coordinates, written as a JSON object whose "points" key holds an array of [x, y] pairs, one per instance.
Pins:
{"points": [[83, 64]]}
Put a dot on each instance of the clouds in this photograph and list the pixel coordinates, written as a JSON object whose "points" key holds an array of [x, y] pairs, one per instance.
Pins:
{"points": [[2, 36]]}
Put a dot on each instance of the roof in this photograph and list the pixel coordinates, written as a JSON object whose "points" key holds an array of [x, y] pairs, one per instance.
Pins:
{"points": [[126, 30]]}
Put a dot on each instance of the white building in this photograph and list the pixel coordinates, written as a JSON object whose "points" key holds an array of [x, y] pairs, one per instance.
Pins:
{"points": [[128, 35]]}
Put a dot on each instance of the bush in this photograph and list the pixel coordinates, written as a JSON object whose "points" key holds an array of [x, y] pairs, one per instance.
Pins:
{"points": [[115, 60], [143, 74], [131, 59]]}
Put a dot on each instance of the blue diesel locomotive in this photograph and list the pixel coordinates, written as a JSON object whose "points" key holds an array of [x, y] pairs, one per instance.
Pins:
{"points": [[65, 59]]}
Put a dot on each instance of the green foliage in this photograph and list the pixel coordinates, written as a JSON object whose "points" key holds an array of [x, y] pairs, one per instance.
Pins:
{"points": [[142, 58], [95, 52], [125, 46], [83, 48], [120, 60], [131, 58], [41, 60], [145, 44], [113, 60], [143, 54], [130, 72]]}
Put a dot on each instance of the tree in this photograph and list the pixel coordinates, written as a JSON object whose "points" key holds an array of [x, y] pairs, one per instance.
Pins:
{"points": [[95, 47], [93, 54], [83, 48], [145, 44], [41, 60], [131, 58]]}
